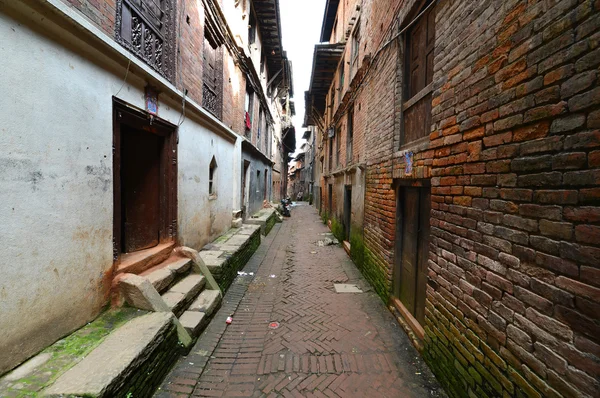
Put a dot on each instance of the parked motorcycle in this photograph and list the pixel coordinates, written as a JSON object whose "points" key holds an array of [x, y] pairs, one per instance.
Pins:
{"points": [[286, 206]]}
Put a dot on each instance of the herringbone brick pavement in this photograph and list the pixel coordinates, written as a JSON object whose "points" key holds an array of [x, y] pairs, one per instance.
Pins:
{"points": [[327, 344]]}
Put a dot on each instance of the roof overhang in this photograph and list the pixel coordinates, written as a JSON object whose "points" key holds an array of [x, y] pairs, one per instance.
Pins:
{"points": [[269, 21], [289, 140], [329, 19], [325, 63]]}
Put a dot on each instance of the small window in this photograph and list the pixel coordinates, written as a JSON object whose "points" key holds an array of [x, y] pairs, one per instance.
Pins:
{"points": [[211, 176], [334, 37], [355, 45], [338, 141], [330, 154], [341, 83], [331, 102], [252, 29], [260, 127], [350, 135], [249, 110]]}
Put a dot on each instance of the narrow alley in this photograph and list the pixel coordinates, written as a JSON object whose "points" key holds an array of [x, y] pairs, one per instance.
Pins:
{"points": [[292, 335], [440, 160]]}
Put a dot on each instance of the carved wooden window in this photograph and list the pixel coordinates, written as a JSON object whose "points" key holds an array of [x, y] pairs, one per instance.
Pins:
{"points": [[212, 83], [420, 41], [147, 29]]}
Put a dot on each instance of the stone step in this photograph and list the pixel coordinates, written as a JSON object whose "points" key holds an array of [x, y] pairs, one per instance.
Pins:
{"points": [[110, 369], [183, 292], [207, 302], [194, 322], [163, 275]]}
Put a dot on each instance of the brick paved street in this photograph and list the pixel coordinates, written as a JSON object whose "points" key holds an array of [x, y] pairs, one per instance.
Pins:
{"points": [[328, 344]]}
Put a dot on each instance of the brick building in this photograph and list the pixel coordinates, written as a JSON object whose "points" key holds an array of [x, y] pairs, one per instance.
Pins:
{"points": [[127, 128], [474, 128]]}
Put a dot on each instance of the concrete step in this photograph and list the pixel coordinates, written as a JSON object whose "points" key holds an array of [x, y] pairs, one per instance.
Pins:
{"points": [[207, 302], [112, 368], [183, 292], [164, 274]]}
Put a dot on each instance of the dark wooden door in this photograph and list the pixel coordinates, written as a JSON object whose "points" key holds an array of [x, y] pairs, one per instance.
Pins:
{"points": [[347, 211], [140, 189], [412, 249]]}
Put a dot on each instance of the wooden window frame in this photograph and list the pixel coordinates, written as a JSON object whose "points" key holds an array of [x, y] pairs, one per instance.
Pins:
{"points": [[212, 92], [355, 46], [338, 145], [139, 31], [350, 136], [421, 98]]}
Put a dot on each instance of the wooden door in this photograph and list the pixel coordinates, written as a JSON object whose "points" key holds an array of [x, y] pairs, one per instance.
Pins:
{"points": [[140, 189], [412, 248], [347, 212]]}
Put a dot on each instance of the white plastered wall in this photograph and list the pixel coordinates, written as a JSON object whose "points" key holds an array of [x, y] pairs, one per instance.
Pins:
{"points": [[56, 182]]}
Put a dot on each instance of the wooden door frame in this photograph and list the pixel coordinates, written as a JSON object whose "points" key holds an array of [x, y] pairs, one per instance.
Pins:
{"points": [[347, 210], [126, 114], [396, 271]]}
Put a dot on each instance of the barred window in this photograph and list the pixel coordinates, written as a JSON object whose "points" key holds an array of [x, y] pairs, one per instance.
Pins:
{"points": [[147, 29]]}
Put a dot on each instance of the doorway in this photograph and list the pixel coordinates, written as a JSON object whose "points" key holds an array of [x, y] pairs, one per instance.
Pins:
{"points": [[245, 190], [330, 200], [145, 178], [347, 211], [412, 248], [140, 189]]}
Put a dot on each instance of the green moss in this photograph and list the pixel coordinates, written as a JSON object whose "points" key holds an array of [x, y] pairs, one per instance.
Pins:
{"points": [[66, 352], [337, 228], [324, 217], [357, 247]]}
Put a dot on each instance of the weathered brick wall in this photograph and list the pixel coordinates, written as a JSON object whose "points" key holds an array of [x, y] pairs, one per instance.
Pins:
{"points": [[100, 13], [380, 201], [513, 299]]}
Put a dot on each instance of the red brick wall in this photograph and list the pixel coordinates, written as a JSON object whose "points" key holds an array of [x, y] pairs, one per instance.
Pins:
{"points": [[513, 297], [514, 289], [101, 13]]}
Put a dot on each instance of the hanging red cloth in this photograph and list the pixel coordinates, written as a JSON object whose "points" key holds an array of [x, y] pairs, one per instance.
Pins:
{"points": [[248, 123]]}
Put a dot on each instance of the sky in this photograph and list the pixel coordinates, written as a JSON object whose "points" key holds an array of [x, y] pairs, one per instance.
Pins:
{"points": [[300, 29]]}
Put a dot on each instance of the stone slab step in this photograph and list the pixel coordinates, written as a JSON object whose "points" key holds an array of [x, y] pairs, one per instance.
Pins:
{"points": [[207, 302], [194, 322], [103, 371], [183, 292], [163, 275]]}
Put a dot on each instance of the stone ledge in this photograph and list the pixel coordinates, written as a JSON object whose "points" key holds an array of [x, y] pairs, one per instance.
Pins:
{"points": [[230, 252], [110, 369], [266, 218]]}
